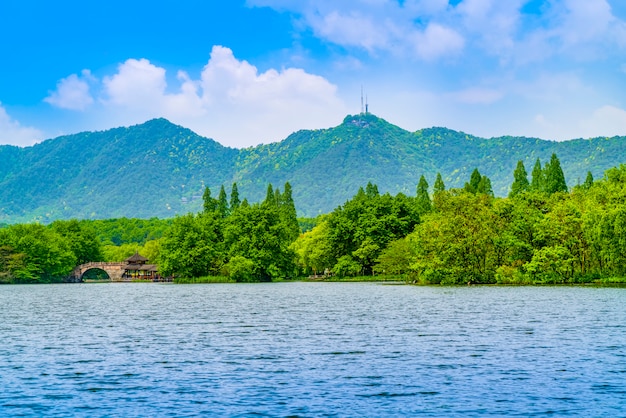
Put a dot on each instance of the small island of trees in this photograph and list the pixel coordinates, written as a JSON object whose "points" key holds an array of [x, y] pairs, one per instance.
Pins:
{"points": [[541, 233]]}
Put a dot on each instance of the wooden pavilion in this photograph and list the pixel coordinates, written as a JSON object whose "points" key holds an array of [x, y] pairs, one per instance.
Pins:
{"points": [[137, 268]]}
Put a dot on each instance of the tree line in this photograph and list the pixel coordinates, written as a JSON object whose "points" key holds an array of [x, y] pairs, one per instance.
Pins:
{"points": [[541, 233]]}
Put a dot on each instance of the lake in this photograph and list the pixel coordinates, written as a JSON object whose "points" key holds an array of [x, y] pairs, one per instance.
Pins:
{"points": [[311, 349]]}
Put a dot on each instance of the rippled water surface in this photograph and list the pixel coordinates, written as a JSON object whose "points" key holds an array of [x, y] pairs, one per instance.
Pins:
{"points": [[311, 349]]}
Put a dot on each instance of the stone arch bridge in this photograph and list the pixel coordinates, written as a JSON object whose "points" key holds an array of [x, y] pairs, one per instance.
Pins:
{"points": [[114, 270]]}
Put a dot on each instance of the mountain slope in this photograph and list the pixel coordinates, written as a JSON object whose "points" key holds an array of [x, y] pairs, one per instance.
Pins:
{"points": [[160, 169], [140, 171]]}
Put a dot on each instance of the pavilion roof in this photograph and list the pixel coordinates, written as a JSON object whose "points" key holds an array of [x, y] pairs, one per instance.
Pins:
{"points": [[136, 258]]}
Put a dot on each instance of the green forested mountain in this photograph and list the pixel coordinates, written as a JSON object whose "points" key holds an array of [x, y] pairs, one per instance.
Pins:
{"points": [[160, 169], [146, 170]]}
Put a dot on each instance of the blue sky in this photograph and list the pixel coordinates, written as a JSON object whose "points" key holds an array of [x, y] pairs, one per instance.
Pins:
{"points": [[250, 72]]}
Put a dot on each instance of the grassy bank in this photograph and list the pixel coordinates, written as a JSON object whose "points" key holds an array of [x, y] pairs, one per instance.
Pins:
{"points": [[204, 279]]}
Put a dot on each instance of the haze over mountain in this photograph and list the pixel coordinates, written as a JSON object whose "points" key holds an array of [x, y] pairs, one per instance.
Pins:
{"points": [[160, 169]]}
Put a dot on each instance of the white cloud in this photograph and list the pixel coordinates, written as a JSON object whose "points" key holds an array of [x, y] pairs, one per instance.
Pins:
{"points": [[72, 92], [585, 20], [264, 106], [231, 101], [137, 82], [437, 41], [579, 29], [414, 28], [13, 133]]}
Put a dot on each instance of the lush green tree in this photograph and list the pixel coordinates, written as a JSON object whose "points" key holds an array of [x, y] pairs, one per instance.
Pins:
{"points": [[455, 245], [313, 249], [478, 184], [554, 177], [288, 212], [234, 198], [13, 267], [550, 264], [43, 254], [396, 258], [209, 203], [222, 203], [537, 182], [474, 182], [270, 196], [367, 223], [371, 190], [120, 231], [439, 185], [240, 269], [484, 186], [81, 239], [118, 253], [257, 233], [422, 199], [193, 246], [520, 180], [438, 189], [346, 266]]}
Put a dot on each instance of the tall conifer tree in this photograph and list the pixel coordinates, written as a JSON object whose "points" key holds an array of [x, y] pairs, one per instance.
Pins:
{"points": [[234, 198], [520, 180], [209, 204], [288, 211], [439, 185], [537, 183], [371, 190], [422, 199], [474, 182], [270, 196], [222, 203], [484, 186], [554, 177]]}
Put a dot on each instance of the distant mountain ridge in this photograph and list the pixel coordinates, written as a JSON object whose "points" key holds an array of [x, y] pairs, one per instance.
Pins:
{"points": [[158, 169]]}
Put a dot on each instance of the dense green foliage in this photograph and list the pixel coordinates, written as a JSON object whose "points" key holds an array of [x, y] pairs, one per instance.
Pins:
{"points": [[158, 169], [350, 239], [535, 237], [245, 242], [31, 253], [543, 233]]}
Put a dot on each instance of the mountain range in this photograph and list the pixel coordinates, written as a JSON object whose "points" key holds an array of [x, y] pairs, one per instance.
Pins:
{"points": [[159, 169]]}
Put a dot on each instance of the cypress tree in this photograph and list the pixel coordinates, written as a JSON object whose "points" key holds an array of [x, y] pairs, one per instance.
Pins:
{"points": [[422, 199], [484, 186], [234, 198], [537, 183], [288, 211], [439, 185], [222, 203], [210, 204], [554, 177], [278, 197], [520, 180], [371, 190], [270, 197], [474, 183]]}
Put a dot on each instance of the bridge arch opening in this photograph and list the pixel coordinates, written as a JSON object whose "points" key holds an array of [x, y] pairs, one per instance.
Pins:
{"points": [[95, 274]]}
